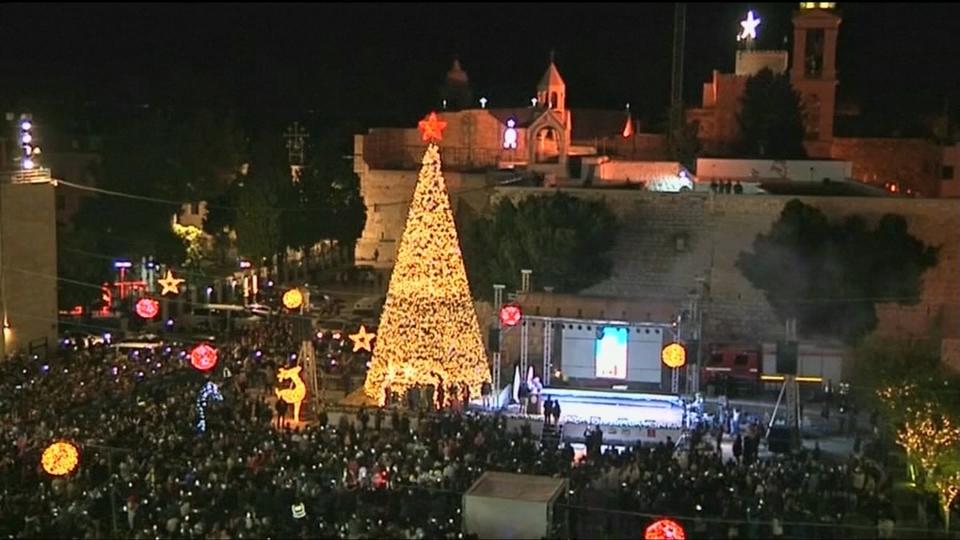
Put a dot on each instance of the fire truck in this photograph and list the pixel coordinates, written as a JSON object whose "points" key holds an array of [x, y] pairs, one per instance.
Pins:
{"points": [[742, 367]]}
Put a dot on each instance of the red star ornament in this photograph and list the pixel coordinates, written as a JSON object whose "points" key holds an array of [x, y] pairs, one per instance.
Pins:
{"points": [[432, 128]]}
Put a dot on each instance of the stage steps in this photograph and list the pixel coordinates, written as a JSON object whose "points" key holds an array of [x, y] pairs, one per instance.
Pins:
{"points": [[550, 436]]}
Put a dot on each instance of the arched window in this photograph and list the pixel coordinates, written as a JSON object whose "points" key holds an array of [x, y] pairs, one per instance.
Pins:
{"points": [[553, 100]]}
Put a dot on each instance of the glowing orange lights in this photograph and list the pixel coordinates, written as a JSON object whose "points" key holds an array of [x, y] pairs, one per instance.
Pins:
{"points": [[147, 308], [295, 394], [674, 355], [60, 458], [510, 315], [664, 529], [292, 299], [204, 357], [432, 128]]}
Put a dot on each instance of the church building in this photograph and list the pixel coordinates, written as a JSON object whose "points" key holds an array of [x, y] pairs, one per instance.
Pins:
{"points": [[542, 142]]}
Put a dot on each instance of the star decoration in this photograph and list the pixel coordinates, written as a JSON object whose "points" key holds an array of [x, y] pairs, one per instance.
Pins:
{"points": [[749, 27], [170, 284], [432, 128], [362, 339]]}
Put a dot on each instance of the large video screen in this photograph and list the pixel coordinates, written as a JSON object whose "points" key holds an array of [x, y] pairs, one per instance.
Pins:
{"points": [[611, 354]]}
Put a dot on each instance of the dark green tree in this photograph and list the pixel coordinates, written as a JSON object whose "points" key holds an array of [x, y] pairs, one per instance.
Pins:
{"points": [[771, 118], [830, 276], [565, 241], [265, 187], [157, 156]]}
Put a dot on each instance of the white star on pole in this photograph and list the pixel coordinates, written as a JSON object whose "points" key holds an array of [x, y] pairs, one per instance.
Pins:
{"points": [[749, 27]]}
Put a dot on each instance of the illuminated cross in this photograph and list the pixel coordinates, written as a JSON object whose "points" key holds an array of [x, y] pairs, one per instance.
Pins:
{"points": [[749, 25], [432, 128]]}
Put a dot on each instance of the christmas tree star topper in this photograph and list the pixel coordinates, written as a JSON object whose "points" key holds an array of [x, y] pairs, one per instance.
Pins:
{"points": [[432, 128]]}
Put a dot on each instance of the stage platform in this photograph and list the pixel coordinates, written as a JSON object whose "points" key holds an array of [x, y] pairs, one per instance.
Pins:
{"points": [[612, 407]]}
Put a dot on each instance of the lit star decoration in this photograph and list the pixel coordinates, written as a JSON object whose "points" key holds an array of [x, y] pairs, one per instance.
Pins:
{"points": [[293, 299], [362, 339], [203, 357], [60, 458], [749, 26], [293, 395], [674, 355], [664, 529], [429, 311], [170, 284], [431, 128], [147, 308]]}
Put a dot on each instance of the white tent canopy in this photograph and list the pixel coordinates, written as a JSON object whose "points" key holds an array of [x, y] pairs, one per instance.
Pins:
{"points": [[511, 506]]}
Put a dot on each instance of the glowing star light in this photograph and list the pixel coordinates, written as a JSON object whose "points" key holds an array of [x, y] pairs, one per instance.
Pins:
{"points": [[203, 357], [170, 284], [293, 299], [749, 26], [674, 355], [60, 458], [147, 308], [362, 339], [432, 128]]}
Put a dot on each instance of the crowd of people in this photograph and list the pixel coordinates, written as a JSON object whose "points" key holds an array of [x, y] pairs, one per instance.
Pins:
{"points": [[146, 472]]}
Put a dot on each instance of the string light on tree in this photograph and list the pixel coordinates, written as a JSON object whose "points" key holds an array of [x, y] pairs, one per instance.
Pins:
{"points": [[429, 327]]}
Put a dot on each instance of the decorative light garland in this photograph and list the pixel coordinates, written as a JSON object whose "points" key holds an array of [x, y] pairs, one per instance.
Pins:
{"points": [[207, 392]]}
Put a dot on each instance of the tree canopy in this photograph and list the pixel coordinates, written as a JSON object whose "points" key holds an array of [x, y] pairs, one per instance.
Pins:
{"points": [[830, 275], [565, 241], [771, 118]]}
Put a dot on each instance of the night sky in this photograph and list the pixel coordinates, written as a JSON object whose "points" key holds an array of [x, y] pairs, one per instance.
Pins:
{"points": [[383, 64]]}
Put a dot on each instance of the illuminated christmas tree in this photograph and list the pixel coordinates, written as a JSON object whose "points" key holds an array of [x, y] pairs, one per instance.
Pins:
{"points": [[429, 330]]}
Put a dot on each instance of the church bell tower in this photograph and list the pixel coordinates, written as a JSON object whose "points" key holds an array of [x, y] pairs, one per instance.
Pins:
{"points": [[813, 71]]}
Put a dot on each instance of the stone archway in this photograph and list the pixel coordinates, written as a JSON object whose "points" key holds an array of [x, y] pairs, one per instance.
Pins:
{"points": [[547, 145]]}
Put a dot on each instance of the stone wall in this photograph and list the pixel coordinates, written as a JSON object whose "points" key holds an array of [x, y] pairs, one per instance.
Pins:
{"points": [[668, 241], [28, 251], [912, 164]]}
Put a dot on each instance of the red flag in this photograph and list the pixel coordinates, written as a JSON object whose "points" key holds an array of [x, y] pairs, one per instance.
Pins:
{"points": [[628, 127]]}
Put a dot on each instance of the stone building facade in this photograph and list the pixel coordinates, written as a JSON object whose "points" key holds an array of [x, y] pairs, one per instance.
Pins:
{"points": [[28, 262]]}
